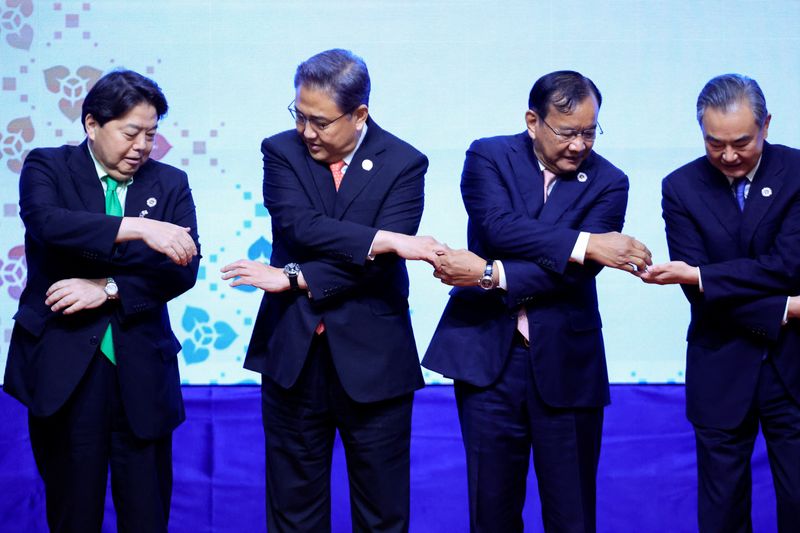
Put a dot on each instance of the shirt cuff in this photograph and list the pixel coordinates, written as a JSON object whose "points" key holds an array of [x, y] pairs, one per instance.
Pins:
{"points": [[579, 250], [370, 255], [785, 313], [700, 281], [501, 275]]}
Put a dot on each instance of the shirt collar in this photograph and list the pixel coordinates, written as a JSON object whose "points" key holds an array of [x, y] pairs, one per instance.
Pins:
{"points": [[349, 157]]}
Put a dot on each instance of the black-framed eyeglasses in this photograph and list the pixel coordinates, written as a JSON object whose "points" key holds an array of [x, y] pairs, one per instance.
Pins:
{"points": [[316, 123], [589, 134]]}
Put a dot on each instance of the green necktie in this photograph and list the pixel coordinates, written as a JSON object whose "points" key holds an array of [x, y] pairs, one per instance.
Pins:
{"points": [[113, 207]]}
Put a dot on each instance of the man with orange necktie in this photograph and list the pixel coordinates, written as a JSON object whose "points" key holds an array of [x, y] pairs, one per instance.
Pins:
{"points": [[333, 338], [521, 333]]}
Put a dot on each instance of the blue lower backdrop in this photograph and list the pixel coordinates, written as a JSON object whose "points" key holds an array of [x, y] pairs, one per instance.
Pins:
{"points": [[646, 482]]}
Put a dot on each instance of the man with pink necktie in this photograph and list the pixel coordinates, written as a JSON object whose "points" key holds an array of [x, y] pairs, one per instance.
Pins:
{"points": [[333, 339], [521, 334]]}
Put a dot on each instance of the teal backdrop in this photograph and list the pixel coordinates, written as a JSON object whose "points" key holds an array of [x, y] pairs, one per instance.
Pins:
{"points": [[443, 73]]}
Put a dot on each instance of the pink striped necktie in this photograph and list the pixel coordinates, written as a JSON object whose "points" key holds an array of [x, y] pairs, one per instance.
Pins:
{"points": [[522, 315]]}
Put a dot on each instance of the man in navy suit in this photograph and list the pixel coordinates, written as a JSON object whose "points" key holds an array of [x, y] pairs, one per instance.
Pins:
{"points": [[733, 230], [333, 338], [92, 354], [521, 333]]}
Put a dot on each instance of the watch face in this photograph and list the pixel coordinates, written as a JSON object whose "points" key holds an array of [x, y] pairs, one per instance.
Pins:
{"points": [[487, 283], [111, 289], [291, 269]]}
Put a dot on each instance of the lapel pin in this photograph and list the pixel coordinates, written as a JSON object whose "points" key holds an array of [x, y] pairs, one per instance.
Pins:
{"points": [[766, 192], [151, 202], [143, 213], [366, 164], [582, 177]]}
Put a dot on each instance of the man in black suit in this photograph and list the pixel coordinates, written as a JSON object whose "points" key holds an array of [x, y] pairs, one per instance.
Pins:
{"points": [[333, 338], [733, 230], [92, 354]]}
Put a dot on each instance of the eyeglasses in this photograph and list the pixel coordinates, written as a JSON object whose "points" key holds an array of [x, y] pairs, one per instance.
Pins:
{"points": [[317, 124], [588, 135]]}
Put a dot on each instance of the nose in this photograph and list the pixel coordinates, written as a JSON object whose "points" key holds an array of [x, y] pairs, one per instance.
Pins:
{"points": [[307, 131], [140, 142], [577, 144], [729, 155]]}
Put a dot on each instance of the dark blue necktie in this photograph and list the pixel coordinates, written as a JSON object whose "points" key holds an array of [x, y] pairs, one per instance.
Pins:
{"points": [[739, 185]]}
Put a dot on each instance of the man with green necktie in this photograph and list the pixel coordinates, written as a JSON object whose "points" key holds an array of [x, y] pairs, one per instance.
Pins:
{"points": [[110, 238]]}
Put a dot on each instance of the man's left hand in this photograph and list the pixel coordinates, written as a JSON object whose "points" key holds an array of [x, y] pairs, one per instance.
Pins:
{"points": [[459, 268], [671, 273], [76, 294], [255, 274]]}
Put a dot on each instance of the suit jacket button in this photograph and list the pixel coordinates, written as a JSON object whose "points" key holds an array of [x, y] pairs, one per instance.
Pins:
{"points": [[93, 341]]}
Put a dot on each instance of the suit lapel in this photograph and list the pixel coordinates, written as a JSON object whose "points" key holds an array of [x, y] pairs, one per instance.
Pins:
{"points": [[766, 185], [145, 187], [84, 177], [365, 166], [528, 176], [568, 189], [715, 192], [323, 182]]}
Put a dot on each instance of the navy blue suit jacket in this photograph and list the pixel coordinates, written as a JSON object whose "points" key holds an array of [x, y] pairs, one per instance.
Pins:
{"points": [[749, 263], [68, 235], [363, 303], [502, 188]]}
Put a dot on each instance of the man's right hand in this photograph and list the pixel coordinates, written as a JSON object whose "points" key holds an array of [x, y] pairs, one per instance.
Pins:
{"points": [[620, 251], [164, 237], [411, 247]]}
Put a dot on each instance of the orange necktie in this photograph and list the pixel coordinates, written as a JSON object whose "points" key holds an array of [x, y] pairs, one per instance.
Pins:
{"points": [[337, 169]]}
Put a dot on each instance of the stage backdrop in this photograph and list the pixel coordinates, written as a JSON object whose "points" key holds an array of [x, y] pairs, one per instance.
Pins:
{"points": [[443, 73]]}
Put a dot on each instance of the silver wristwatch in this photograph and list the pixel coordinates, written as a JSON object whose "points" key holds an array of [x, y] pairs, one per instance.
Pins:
{"points": [[486, 282], [111, 289]]}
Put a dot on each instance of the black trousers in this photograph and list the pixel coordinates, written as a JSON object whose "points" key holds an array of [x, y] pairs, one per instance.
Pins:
{"points": [[75, 447], [300, 425], [500, 424], [723, 461]]}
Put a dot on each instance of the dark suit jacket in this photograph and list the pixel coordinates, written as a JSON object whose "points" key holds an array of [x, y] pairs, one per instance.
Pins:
{"points": [[68, 235], [364, 304], [749, 263], [502, 190]]}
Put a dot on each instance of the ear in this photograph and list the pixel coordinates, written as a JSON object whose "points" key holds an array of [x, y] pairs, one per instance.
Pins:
{"points": [[361, 113], [90, 124], [765, 129], [531, 120]]}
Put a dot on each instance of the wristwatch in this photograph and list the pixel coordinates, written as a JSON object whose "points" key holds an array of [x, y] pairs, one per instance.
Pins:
{"points": [[111, 289], [486, 282], [292, 270]]}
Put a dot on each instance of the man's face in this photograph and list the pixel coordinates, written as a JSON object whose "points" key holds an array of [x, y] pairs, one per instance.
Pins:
{"points": [[124, 144], [328, 135], [557, 153], [734, 141]]}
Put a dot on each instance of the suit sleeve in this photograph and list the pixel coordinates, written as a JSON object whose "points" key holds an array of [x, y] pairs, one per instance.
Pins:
{"points": [[759, 311], [301, 222], [148, 279], [86, 235], [527, 280], [401, 213], [502, 229]]}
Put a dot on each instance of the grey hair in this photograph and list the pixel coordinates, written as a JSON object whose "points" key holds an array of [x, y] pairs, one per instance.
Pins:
{"points": [[725, 91], [340, 73]]}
